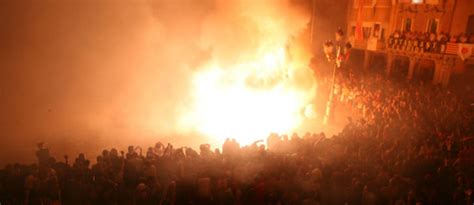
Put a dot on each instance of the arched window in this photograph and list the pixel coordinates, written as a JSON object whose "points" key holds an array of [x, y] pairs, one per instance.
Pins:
{"points": [[432, 25], [407, 24]]}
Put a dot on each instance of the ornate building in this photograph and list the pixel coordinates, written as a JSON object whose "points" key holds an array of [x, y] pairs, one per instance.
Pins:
{"points": [[433, 38]]}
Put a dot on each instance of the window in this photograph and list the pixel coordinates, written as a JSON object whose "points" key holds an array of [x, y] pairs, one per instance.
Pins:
{"points": [[407, 24], [416, 1], [366, 31], [377, 30], [470, 25], [432, 26]]}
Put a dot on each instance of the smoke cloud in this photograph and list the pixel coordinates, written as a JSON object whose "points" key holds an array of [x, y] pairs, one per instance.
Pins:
{"points": [[89, 75]]}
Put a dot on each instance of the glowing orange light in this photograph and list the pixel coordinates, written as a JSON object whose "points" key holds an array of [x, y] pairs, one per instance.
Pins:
{"points": [[264, 88], [249, 100]]}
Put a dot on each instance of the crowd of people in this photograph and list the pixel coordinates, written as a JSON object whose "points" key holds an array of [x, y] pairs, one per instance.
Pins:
{"points": [[420, 42], [412, 146]]}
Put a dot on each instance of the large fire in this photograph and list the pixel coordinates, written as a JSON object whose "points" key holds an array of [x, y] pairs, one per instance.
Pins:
{"points": [[267, 88], [249, 100]]}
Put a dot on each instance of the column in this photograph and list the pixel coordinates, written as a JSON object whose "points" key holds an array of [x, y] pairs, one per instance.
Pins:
{"points": [[411, 67], [388, 69], [438, 72], [446, 75], [367, 56]]}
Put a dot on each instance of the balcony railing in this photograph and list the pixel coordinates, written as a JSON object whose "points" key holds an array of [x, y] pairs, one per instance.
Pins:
{"points": [[409, 46]]}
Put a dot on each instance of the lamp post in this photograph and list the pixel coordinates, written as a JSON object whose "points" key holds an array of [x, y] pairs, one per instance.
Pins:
{"points": [[335, 54]]}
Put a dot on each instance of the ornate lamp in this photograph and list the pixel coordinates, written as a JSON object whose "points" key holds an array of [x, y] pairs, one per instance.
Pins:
{"points": [[336, 54]]}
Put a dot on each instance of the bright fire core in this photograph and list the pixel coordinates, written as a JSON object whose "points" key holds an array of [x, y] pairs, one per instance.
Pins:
{"points": [[250, 100], [257, 80]]}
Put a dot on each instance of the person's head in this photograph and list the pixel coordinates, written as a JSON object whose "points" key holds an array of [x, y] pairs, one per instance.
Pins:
{"points": [[328, 47], [347, 47], [142, 191], [179, 153], [396, 34], [81, 156], [471, 38], [432, 37], [339, 34], [131, 149], [453, 39], [190, 152], [463, 38], [159, 145], [460, 180], [105, 153], [205, 148], [113, 152], [369, 187]]}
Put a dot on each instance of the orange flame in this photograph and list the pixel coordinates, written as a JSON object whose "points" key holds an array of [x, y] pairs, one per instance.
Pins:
{"points": [[249, 100], [266, 86]]}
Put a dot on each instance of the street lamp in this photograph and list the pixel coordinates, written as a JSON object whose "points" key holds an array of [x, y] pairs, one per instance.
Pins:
{"points": [[336, 53]]}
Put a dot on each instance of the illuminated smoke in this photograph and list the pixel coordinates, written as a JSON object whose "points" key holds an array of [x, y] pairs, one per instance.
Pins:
{"points": [[98, 74], [255, 80]]}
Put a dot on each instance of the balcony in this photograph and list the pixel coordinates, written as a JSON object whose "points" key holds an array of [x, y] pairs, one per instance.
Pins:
{"points": [[433, 50]]}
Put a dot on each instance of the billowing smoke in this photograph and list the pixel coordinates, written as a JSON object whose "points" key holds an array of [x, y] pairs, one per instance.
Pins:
{"points": [[250, 75], [88, 75]]}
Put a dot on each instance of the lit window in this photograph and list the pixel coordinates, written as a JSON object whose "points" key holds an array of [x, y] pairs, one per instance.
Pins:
{"points": [[432, 26], [416, 1]]}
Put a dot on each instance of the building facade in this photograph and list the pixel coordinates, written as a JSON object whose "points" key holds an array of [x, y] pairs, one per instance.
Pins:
{"points": [[433, 35]]}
